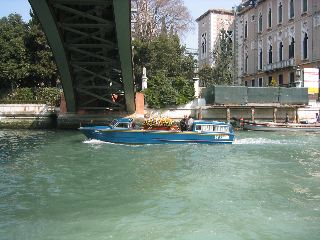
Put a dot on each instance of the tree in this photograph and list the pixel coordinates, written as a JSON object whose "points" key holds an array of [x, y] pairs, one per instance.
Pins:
{"points": [[223, 65], [26, 59], [13, 56], [169, 70], [43, 70], [155, 15], [205, 75]]}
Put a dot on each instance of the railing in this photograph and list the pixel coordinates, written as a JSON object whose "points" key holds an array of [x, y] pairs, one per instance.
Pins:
{"points": [[278, 65]]}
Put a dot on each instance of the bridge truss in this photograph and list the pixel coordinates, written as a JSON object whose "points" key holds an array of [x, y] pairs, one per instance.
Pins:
{"points": [[91, 42]]}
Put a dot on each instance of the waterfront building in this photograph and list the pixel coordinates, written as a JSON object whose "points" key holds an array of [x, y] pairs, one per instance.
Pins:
{"points": [[277, 41], [209, 26]]}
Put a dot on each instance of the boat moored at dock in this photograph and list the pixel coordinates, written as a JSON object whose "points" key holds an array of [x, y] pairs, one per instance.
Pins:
{"points": [[271, 126]]}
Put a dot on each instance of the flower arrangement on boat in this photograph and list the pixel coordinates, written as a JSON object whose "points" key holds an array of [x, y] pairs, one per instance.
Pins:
{"points": [[159, 123]]}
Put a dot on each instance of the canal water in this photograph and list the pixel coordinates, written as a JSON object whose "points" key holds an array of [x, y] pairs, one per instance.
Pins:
{"points": [[58, 185]]}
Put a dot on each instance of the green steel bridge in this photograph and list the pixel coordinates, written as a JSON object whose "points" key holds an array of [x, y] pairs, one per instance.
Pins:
{"points": [[91, 43]]}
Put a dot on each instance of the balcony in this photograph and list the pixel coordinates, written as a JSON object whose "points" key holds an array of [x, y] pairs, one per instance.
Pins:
{"points": [[279, 65]]}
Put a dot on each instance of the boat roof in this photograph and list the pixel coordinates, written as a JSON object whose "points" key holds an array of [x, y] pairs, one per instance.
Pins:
{"points": [[209, 122]]}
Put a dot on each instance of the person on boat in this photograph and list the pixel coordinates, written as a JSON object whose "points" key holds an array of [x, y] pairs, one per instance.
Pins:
{"points": [[184, 123], [190, 123]]}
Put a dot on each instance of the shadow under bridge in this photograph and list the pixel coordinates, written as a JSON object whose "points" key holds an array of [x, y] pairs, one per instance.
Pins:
{"points": [[91, 42]]}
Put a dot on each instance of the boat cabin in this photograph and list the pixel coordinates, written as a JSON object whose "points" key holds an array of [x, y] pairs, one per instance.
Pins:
{"points": [[206, 126]]}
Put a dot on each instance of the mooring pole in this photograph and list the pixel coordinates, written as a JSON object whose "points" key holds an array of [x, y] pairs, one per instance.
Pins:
{"points": [[275, 114]]}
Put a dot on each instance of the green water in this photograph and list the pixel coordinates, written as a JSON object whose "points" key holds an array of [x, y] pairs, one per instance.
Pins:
{"points": [[57, 185]]}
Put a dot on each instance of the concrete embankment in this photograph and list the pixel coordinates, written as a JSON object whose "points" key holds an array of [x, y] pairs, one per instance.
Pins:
{"points": [[27, 116], [41, 116]]}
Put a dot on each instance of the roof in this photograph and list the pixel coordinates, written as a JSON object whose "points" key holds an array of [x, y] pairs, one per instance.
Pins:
{"points": [[216, 11]]}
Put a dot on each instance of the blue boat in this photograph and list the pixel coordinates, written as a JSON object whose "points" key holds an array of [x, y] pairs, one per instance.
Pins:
{"points": [[124, 130]]}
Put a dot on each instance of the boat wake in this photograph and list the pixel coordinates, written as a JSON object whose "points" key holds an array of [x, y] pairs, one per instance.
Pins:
{"points": [[94, 141], [258, 141]]}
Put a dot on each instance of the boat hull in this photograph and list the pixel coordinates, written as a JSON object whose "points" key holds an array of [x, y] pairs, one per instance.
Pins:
{"points": [[129, 136]]}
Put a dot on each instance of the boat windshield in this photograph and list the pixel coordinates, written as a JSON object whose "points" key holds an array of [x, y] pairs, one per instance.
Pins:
{"points": [[114, 122]]}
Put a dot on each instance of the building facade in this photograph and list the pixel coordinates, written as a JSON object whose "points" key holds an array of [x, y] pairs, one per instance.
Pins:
{"points": [[275, 40], [209, 26]]}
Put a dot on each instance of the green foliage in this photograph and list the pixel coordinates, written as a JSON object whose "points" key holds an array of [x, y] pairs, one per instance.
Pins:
{"points": [[25, 57], [169, 70], [163, 91], [22, 95], [222, 73], [50, 96], [205, 76], [13, 56]]}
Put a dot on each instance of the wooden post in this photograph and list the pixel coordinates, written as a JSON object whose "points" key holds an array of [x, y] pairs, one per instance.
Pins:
{"points": [[228, 114], [252, 114], [200, 113], [275, 114], [296, 115]]}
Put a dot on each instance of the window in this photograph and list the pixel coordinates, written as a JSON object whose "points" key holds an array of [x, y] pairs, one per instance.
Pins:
{"points": [[260, 82], [246, 30], [260, 23], [280, 79], [291, 78], [304, 6], [204, 45], [269, 80], [246, 64], [280, 13], [260, 59], [123, 125], [305, 46], [291, 9], [253, 83], [291, 48], [270, 54], [269, 18], [280, 51]]}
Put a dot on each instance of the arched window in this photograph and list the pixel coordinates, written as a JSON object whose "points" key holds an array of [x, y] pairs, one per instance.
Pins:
{"points": [[280, 51], [260, 23], [280, 13], [269, 18], [291, 9], [291, 48], [260, 59], [304, 6], [204, 45], [305, 46], [246, 29], [246, 63], [270, 54]]}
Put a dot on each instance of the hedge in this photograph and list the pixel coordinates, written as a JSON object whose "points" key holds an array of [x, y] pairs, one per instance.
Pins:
{"points": [[50, 96]]}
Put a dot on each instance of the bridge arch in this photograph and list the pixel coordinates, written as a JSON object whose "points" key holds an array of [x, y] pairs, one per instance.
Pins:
{"points": [[91, 43]]}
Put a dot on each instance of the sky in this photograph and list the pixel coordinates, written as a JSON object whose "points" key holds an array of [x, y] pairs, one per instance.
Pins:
{"points": [[196, 8]]}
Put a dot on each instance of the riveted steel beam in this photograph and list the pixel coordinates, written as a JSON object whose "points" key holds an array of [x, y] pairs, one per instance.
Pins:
{"points": [[122, 13], [43, 11]]}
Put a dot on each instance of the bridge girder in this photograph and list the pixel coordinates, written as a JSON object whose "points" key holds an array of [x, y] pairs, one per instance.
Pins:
{"points": [[91, 42]]}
